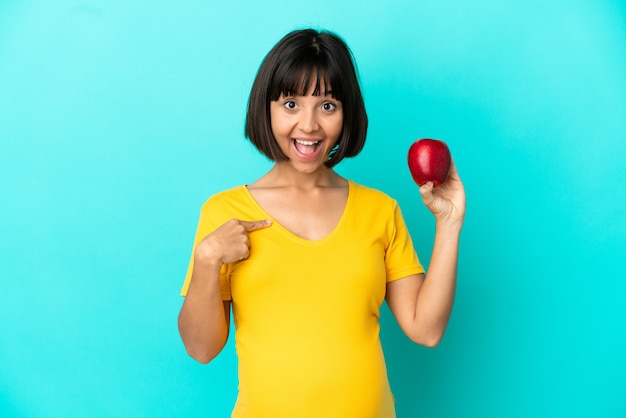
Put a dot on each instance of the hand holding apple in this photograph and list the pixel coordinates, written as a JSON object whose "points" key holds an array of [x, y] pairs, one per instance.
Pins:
{"points": [[429, 160], [441, 187]]}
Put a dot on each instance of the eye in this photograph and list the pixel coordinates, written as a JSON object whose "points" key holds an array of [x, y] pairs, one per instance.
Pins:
{"points": [[329, 107], [290, 104]]}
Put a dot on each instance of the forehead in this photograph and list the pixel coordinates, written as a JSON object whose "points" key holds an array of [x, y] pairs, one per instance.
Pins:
{"points": [[311, 80], [313, 90]]}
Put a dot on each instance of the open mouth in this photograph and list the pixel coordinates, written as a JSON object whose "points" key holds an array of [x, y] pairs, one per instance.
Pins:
{"points": [[306, 148]]}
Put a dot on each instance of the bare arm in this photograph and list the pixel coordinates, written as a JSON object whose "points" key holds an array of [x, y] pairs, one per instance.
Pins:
{"points": [[422, 304], [204, 318]]}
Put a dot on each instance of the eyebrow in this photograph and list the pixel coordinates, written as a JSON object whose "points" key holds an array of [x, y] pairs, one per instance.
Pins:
{"points": [[324, 93], [320, 94]]}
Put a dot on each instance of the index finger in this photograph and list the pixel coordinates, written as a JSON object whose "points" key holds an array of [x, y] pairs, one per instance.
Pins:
{"points": [[255, 225]]}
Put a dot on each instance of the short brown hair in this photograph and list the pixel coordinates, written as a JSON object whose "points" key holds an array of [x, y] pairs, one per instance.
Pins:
{"points": [[288, 69]]}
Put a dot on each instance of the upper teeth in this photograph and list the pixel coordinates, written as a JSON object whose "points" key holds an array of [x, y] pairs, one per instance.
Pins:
{"points": [[306, 142]]}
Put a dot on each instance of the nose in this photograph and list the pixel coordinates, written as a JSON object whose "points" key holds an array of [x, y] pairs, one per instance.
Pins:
{"points": [[308, 121]]}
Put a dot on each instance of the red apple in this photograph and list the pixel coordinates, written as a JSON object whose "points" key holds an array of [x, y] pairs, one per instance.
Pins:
{"points": [[429, 160]]}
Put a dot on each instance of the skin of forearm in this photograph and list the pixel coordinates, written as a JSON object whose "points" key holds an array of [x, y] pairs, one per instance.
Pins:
{"points": [[202, 321], [436, 295]]}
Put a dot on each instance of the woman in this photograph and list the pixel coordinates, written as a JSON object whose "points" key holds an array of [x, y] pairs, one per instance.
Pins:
{"points": [[307, 257]]}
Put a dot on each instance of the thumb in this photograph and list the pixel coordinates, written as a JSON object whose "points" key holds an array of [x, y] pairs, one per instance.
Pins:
{"points": [[255, 225], [426, 190]]}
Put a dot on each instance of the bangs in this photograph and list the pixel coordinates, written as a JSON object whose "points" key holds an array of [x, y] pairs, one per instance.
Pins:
{"points": [[298, 77], [307, 62]]}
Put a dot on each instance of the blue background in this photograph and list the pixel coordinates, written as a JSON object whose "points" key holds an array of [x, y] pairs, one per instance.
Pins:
{"points": [[119, 118]]}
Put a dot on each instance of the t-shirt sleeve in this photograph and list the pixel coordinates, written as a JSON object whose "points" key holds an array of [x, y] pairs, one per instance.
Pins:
{"points": [[401, 260], [206, 225]]}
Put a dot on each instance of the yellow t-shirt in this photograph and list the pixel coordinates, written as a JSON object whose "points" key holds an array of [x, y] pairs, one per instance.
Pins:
{"points": [[306, 312]]}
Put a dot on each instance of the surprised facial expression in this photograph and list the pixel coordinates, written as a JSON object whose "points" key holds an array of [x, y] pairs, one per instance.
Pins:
{"points": [[307, 127]]}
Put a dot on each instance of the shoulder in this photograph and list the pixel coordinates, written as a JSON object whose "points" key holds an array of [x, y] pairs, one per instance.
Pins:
{"points": [[223, 205], [225, 197], [234, 203], [372, 196]]}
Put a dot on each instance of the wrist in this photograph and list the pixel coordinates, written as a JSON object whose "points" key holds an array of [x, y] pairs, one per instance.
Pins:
{"points": [[449, 226], [206, 257], [205, 269]]}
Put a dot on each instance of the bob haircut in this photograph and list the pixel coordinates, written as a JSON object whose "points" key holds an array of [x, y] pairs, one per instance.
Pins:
{"points": [[302, 59]]}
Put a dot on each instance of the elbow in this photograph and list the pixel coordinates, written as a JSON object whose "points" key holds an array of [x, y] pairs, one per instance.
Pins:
{"points": [[427, 333], [202, 352], [427, 340], [431, 342], [204, 346], [203, 357]]}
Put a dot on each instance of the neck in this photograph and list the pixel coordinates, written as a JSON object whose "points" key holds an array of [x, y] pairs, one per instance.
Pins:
{"points": [[283, 175]]}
